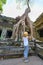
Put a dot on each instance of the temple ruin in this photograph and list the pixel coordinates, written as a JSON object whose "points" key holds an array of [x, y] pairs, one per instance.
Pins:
{"points": [[24, 24], [14, 28]]}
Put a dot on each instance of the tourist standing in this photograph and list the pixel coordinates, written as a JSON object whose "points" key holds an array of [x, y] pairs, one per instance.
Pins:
{"points": [[26, 46]]}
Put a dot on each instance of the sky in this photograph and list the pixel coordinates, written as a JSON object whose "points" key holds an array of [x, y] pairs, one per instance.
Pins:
{"points": [[12, 9]]}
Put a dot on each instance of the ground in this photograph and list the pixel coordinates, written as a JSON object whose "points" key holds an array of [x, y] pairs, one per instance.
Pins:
{"points": [[33, 60]]}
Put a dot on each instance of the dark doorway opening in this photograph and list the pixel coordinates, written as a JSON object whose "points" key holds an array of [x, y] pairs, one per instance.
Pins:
{"points": [[9, 34], [40, 32], [0, 32]]}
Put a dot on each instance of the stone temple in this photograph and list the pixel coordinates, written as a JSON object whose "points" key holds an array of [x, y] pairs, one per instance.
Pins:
{"points": [[14, 28]]}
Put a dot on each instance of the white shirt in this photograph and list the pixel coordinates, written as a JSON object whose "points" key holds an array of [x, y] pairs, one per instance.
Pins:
{"points": [[25, 41]]}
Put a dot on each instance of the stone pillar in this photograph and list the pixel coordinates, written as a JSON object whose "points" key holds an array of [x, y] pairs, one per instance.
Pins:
{"points": [[3, 35]]}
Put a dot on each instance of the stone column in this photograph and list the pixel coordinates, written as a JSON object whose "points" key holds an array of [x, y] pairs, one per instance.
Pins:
{"points": [[3, 35]]}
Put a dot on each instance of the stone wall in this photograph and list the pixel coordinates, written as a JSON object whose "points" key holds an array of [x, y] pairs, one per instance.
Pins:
{"points": [[38, 26]]}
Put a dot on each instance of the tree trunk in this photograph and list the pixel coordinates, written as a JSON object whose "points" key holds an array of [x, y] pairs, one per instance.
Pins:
{"points": [[22, 22]]}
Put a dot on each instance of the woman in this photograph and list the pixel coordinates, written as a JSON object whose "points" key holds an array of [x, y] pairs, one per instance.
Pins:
{"points": [[26, 46]]}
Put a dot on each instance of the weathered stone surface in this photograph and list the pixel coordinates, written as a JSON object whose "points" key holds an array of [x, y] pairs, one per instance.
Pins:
{"points": [[33, 60], [38, 28]]}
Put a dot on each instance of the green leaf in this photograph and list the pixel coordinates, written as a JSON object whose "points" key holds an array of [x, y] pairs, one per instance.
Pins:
{"points": [[3, 1], [0, 5]]}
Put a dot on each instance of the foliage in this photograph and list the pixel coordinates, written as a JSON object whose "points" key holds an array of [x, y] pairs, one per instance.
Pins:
{"points": [[2, 2]]}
